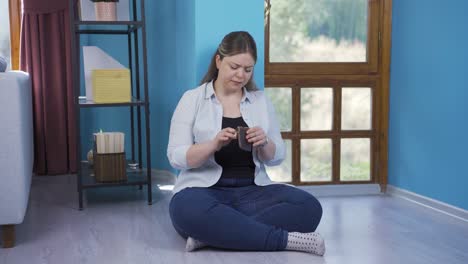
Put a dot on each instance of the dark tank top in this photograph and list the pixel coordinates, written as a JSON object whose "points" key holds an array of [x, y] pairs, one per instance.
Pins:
{"points": [[236, 163]]}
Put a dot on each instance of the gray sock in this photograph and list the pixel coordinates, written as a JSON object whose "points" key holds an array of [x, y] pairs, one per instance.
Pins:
{"points": [[307, 242], [193, 244]]}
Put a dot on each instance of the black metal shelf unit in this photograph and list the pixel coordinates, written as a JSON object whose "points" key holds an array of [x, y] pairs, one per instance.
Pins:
{"points": [[139, 80]]}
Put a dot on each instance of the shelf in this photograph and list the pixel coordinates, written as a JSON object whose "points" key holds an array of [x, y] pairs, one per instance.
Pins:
{"points": [[134, 177], [107, 27], [139, 138], [83, 103], [139, 23]]}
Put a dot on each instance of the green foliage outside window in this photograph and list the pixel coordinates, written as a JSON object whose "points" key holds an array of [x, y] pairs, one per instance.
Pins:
{"points": [[335, 24]]}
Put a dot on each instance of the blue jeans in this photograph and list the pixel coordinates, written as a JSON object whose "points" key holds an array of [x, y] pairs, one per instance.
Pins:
{"points": [[237, 214]]}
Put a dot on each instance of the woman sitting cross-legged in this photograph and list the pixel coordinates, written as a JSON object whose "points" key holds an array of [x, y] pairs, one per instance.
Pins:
{"points": [[223, 196]]}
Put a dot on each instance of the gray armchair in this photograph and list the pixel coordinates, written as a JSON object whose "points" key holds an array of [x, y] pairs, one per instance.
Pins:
{"points": [[16, 151]]}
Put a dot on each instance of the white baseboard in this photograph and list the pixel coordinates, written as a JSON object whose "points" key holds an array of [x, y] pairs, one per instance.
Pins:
{"points": [[167, 179], [439, 206], [342, 189], [163, 175]]}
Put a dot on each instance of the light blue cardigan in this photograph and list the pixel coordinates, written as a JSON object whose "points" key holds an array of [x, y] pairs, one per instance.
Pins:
{"points": [[198, 118]]}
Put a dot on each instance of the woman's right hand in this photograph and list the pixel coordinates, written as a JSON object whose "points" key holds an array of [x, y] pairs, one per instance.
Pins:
{"points": [[224, 137]]}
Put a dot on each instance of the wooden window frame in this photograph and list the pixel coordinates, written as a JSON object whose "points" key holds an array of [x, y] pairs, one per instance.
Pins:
{"points": [[14, 8], [375, 74]]}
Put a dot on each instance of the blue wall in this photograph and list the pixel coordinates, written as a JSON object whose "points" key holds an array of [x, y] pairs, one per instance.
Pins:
{"points": [[216, 18], [161, 45], [428, 139], [181, 38]]}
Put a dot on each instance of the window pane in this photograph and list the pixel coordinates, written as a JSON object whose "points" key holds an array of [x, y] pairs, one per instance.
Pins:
{"points": [[283, 172], [282, 101], [316, 108], [318, 31], [316, 160], [356, 108], [5, 32], [355, 159]]}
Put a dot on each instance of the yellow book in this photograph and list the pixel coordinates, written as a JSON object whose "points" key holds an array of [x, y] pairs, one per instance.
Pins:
{"points": [[111, 85]]}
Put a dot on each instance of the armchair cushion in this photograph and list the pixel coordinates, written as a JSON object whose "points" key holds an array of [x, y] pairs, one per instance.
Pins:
{"points": [[16, 145]]}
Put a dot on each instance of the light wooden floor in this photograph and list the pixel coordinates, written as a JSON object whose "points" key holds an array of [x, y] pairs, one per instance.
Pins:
{"points": [[118, 226]]}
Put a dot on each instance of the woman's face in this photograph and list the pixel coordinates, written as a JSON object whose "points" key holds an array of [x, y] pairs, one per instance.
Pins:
{"points": [[235, 71]]}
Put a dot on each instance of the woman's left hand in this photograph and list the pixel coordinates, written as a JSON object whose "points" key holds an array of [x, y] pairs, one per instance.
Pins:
{"points": [[256, 136]]}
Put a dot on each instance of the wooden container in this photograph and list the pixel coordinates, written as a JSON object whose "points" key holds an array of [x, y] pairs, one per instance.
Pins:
{"points": [[110, 167]]}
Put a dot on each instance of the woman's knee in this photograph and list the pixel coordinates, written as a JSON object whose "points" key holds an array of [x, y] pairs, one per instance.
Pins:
{"points": [[185, 203], [187, 208], [313, 212], [310, 208]]}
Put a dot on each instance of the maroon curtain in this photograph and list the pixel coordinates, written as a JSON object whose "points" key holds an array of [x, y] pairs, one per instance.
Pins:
{"points": [[46, 55]]}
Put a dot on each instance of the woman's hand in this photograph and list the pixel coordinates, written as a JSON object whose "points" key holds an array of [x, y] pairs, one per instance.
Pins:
{"points": [[256, 136], [224, 137]]}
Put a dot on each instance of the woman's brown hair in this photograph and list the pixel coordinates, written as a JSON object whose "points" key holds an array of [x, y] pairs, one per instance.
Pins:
{"points": [[234, 43]]}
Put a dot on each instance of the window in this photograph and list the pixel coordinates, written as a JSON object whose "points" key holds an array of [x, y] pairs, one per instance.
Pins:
{"points": [[326, 72], [5, 31], [318, 31], [10, 19]]}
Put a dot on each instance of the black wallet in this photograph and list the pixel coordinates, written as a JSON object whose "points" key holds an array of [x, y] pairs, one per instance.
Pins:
{"points": [[243, 144]]}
